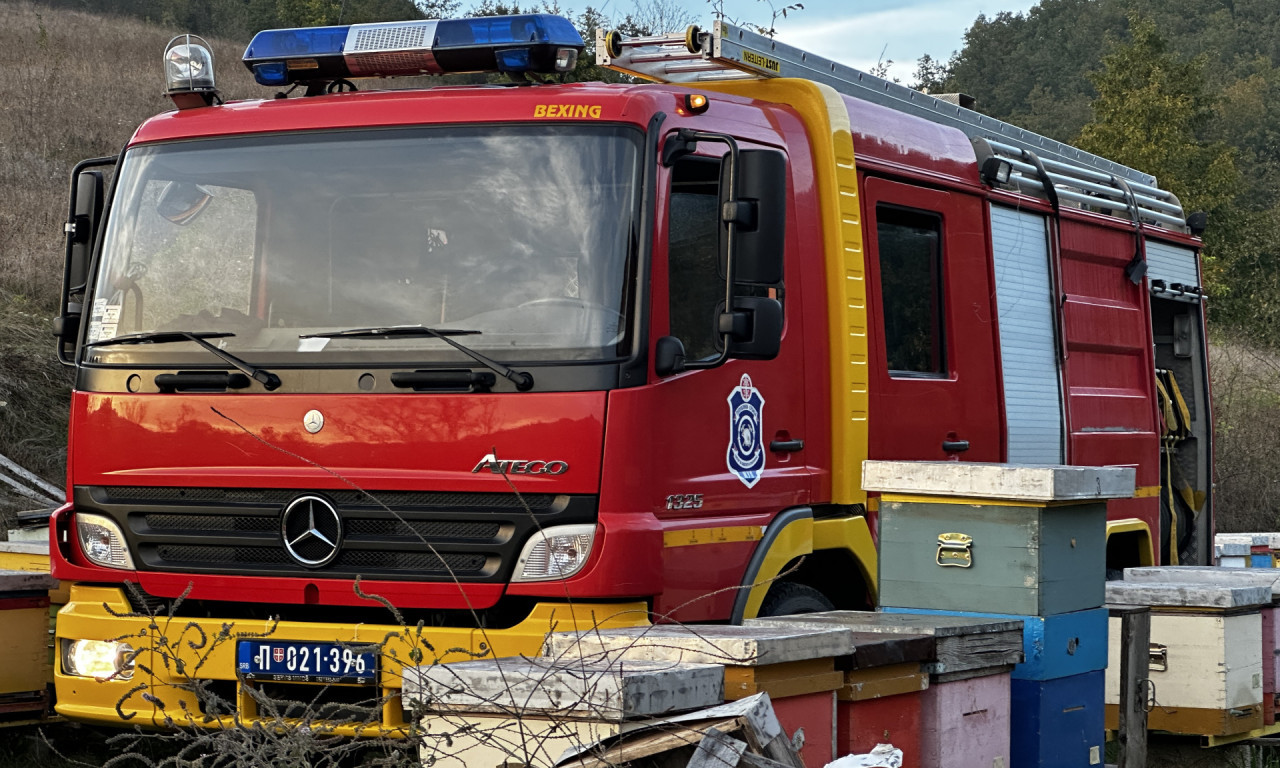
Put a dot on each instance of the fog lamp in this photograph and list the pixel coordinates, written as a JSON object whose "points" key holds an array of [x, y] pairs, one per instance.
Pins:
{"points": [[99, 659], [555, 553], [102, 542]]}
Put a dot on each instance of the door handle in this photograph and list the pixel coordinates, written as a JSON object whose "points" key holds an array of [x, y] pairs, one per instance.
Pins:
{"points": [[955, 446], [786, 446]]}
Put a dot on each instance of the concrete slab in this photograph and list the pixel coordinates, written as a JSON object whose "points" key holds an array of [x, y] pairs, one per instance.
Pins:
{"points": [[708, 644], [26, 581], [1186, 595], [1019, 482], [615, 691]]}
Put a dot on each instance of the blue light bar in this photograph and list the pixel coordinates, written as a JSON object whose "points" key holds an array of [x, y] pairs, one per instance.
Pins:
{"points": [[535, 42]]}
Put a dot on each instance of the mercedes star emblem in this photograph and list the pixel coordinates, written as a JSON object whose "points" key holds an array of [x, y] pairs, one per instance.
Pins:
{"points": [[313, 422], [312, 531]]}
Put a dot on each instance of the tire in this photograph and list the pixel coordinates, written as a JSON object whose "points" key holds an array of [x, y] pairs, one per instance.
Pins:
{"points": [[787, 598]]}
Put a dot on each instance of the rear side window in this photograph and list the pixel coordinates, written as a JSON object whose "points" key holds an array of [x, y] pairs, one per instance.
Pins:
{"points": [[910, 249]]}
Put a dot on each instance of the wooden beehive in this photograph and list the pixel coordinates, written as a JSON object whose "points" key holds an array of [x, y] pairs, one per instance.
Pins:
{"points": [[1206, 657], [1008, 539]]}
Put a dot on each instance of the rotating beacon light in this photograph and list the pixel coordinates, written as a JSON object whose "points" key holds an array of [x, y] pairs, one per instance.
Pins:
{"points": [[531, 42], [188, 72]]}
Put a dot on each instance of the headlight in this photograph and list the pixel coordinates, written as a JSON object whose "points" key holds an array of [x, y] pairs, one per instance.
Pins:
{"points": [[98, 659], [102, 542], [555, 553]]}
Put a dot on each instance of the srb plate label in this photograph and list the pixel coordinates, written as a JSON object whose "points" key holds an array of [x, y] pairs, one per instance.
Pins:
{"points": [[330, 663]]}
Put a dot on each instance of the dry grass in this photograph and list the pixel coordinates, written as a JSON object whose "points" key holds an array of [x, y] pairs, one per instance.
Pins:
{"points": [[1246, 407], [75, 85]]}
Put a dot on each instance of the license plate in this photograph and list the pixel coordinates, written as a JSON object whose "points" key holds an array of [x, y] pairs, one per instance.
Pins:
{"points": [[330, 663]]}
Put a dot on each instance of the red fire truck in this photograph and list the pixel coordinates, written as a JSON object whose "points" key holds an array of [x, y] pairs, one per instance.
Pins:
{"points": [[526, 355]]}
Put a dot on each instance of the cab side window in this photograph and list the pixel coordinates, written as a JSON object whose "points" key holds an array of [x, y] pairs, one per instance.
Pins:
{"points": [[910, 250], [693, 254]]}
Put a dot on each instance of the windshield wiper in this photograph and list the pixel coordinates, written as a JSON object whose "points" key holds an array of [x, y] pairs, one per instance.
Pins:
{"points": [[269, 381], [522, 379]]}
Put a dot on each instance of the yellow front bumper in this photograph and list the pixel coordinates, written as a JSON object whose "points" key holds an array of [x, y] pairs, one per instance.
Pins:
{"points": [[174, 653]]}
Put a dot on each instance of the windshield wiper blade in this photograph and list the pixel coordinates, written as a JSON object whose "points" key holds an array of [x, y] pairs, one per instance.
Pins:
{"points": [[389, 330], [269, 381], [522, 379]]}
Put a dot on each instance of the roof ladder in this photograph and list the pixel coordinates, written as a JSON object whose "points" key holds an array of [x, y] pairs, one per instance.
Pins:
{"points": [[730, 52]]}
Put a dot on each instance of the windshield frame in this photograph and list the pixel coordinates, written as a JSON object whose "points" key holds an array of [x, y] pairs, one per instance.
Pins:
{"points": [[633, 279]]}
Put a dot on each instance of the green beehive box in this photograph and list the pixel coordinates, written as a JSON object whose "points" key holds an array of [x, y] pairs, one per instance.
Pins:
{"points": [[994, 538]]}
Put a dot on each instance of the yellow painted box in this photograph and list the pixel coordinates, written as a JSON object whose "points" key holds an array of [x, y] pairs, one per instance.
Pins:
{"points": [[24, 643]]}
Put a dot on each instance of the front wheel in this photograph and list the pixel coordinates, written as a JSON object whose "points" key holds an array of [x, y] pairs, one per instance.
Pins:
{"points": [[787, 598]]}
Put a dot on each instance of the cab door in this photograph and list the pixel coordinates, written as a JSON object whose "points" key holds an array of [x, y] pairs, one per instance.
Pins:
{"points": [[934, 363], [732, 446]]}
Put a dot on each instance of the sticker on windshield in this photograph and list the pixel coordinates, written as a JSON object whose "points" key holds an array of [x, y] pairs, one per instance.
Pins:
{"points": [[311, 345], [107, 331], [746, 432], [111, 313]]}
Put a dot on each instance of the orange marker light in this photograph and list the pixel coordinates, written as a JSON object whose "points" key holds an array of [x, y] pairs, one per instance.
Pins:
{"points": [[696, 103]]}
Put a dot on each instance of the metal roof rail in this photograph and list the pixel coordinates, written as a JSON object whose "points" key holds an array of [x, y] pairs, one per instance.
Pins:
{"points": [[730, 52]]}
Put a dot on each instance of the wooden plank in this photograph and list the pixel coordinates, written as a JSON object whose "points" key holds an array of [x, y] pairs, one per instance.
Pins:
{"points": [[871, 650], [740, 683], [717, 750], [618, 691], [998, 481], [1193, 721], [703, 644], [1187, 595], [649, 743], [1135, 640], [861, 685], [960, 642]]}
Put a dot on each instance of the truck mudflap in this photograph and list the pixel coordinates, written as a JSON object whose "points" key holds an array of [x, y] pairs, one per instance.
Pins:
{"points": [[184, 670]]}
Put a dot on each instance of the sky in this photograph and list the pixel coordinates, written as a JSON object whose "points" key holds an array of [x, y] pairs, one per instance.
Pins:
{"points": [[860, 32]]}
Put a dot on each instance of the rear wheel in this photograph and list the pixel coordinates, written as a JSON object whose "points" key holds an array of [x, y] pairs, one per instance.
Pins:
{"points": [[786, 598]]}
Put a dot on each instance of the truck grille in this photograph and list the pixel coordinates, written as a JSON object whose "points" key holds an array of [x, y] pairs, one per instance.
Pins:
{"points": [[404, 535]]}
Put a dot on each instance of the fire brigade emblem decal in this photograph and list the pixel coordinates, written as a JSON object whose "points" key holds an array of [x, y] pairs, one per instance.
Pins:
{"points": [[311, 530], [746, 432]]}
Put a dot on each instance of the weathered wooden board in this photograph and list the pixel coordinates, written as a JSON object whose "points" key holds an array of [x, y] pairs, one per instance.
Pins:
{"points": [[1201, 664], [25, 581], [494, 741], [1027, 560], [703, 644], [960, 643], [1061, 645], [965, 724], [1058, 723], [793, 678], [609, 691], [882, 682], [874, 649], [1016, 482], [1206, 574], [1189, 595]]}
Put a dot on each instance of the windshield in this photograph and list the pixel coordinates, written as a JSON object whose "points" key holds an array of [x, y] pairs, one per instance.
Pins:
{"points": [[520, 233]]}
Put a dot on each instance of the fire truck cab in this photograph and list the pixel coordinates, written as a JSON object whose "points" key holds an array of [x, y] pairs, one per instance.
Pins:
{"points": [[516, 357]]}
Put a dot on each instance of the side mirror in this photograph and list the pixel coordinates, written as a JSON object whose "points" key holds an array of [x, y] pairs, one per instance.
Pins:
{"points": [[85, 215], [760, 213]]}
